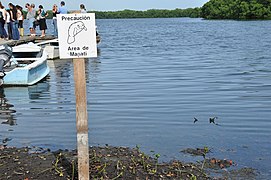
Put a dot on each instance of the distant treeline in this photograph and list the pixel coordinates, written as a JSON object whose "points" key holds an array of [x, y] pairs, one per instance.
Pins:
{"points": [[152, 13], [237, 9], [214, 9]]}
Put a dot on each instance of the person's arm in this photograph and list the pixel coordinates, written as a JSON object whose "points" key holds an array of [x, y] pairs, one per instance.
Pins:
{"points": [[11, 16], [27, 14], [5, 15], [59, 10], [18, 13], [22, 15]]}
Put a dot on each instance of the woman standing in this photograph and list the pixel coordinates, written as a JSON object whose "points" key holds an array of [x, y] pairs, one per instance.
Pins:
{"points": [[55, 12], [9, 24], [20, 17], [30, 16], [82, 8], [42, 19], [3, 16], [14, 22]]}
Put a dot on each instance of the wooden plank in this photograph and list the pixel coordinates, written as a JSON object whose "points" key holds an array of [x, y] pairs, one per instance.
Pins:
{"points": [[81, 118]]}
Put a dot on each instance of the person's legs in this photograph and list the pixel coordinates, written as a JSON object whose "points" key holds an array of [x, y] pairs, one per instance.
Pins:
{"points": [[31, 26], [42, 33], [43, 27], [9, 30], [15, 31], [31, 31], [21, 29], [1, 30], [34, 31], [4, 31], [55, 27]]}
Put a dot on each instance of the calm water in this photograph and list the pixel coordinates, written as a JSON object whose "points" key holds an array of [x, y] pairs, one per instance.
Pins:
{"points": [[152, 77]]}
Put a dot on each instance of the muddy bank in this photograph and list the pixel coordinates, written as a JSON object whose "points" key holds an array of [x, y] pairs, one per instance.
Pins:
{"points": [[105, 163]]}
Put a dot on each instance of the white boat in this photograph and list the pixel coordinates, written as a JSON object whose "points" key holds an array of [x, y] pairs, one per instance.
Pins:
{"points": [[51, 47], [27, 66]]}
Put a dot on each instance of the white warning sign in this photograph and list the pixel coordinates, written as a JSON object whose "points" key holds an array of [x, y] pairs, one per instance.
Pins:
{"points": [[77, 35]]}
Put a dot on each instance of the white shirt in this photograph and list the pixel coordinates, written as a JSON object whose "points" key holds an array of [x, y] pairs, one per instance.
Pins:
{"points": [[8, 18], [4, 13], [83, 11], [19, 13]]}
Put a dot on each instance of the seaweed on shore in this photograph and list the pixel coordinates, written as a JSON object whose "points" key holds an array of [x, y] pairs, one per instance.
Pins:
{"points": [[105, 163]]}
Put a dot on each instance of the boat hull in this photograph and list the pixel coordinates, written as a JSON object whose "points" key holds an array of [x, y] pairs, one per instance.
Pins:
{"points": [[28, 74], [51, 47], [52, 51]]}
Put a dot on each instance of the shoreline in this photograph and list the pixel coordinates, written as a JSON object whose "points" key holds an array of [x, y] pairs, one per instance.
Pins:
{"points": [[105, 163]]}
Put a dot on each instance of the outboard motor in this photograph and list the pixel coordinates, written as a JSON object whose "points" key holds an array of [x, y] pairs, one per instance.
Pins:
{"points": [[5, 56]]}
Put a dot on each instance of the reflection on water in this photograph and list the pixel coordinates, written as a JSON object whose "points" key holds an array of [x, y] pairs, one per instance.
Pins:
{"points": [[14, 95], [46, 111], [92, 70], [6, 110]]}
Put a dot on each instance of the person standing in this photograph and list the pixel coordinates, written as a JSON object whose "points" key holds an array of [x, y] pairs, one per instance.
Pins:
{"points": [[62, 9], [30, 16], [34, 24], [3, 16], [14, 22], [42, 20], [55, 12], [83, 8], [9, 27], [20, 17]]}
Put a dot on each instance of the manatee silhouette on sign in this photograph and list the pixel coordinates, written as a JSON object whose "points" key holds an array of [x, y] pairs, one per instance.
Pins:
{"points": [[74, 29]]}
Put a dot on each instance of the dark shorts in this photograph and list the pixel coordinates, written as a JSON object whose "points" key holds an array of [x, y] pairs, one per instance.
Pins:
{"points": [[20, 24], [43, 25]]}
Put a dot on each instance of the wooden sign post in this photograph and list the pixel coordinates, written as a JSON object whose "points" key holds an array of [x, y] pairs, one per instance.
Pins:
{"points": [[77, 40], [81, 118]]}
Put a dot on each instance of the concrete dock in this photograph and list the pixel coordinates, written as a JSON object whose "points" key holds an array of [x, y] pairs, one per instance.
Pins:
{"points": [[25, 39]]}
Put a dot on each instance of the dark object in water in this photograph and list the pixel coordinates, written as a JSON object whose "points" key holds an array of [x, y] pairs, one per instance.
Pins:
{"points": [[196, 151], [212, 120], [195, 120]]}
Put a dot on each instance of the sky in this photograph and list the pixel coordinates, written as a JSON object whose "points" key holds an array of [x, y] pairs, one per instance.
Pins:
{"points": [[113, 5]]}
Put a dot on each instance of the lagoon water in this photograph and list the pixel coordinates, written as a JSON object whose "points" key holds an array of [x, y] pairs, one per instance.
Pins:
{"points": [[151, 78]]}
